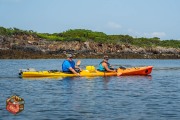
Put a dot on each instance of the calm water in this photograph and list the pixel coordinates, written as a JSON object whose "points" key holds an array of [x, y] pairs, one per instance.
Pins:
{"points": [[155, 97]]}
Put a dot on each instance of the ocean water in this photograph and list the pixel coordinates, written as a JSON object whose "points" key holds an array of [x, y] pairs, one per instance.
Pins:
{"points": [[154, 97]]}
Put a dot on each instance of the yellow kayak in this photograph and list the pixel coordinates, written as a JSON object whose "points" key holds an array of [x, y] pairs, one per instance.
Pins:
{"points": [[89, 72], [83, 73]]}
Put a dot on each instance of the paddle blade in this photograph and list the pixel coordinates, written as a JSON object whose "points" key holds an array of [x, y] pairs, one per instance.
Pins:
{"points": [[119, 74], [78, 62]]}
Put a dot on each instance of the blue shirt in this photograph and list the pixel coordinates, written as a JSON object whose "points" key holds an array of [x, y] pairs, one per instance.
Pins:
{"points": [[68, 64]]}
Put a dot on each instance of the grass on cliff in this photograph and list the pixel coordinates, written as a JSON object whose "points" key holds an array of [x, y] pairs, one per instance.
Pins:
{"points": [[75, 35], [85, 35]]}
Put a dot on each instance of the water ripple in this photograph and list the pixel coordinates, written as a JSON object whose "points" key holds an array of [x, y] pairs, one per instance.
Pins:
{"points": [[155, 97]]}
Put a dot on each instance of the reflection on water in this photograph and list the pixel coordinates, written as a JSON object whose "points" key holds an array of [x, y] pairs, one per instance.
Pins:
{"points": [[167, 68]]}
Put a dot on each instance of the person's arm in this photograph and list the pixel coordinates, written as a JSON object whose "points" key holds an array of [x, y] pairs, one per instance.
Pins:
{"points": [[73, 71], [107, 68]]}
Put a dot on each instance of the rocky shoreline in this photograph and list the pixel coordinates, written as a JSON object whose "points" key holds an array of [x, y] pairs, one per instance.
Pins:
{"points": [[32, 47]]}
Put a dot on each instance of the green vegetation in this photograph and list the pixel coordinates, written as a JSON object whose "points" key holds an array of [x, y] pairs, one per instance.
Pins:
{"points": [[49, 36], [14, 31], [85, 35], [75, 35]]}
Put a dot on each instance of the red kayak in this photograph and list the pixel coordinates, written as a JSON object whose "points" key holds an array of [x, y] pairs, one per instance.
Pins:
{"points": [[136, 71]]}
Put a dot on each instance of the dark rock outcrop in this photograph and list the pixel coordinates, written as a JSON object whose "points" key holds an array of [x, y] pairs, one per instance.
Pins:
{"points": [[28, 46]]}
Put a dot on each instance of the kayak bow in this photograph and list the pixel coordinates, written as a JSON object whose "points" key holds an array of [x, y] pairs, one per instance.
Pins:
{"points": [[136, 71]]}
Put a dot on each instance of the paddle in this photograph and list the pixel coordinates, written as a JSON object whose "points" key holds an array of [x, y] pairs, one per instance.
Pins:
{"points": [[119, 73], [78, 63]]}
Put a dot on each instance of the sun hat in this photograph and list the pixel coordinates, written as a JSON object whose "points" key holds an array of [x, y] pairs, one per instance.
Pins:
{"points": [[69, 55]]}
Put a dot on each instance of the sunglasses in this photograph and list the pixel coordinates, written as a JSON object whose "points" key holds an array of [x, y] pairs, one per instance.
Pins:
{"points": [[106, 58]]}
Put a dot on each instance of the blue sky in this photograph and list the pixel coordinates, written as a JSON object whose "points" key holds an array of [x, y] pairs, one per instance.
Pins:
{"points": [[138, 18]]}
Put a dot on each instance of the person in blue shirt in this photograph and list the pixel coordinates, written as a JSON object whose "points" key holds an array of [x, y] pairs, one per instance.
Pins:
{"points": [[105, 66], [69, 65]]}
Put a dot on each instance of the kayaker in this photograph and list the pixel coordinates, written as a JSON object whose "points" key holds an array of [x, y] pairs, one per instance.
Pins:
{"points": [[105, 66], [69, 66]]}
